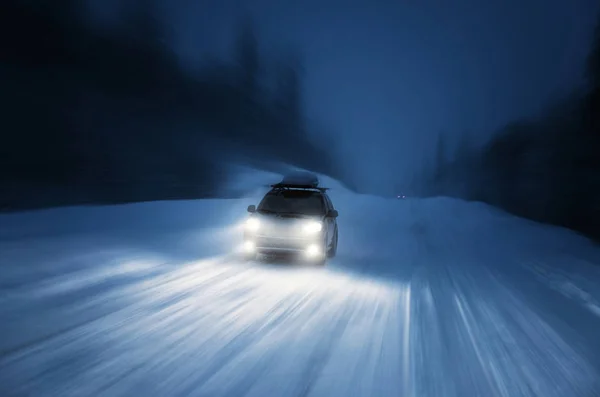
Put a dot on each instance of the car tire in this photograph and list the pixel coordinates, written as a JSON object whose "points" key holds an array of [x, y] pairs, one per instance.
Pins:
{"points": [[331, 252], [321, 262], [247, 257]]}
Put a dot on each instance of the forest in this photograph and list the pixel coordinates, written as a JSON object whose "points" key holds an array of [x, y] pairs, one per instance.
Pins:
{"points": [[546, 168], [110, 116]]}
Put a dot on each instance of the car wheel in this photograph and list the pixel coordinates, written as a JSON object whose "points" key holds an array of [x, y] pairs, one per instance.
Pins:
{"points": [[321, 262], [334, 244], [249, 257]]}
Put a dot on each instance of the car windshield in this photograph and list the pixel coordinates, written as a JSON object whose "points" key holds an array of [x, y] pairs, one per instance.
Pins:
{"points": [[293, 202]]}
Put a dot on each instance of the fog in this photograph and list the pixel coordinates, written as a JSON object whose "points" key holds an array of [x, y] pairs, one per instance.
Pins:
{"points": [[102, 110], [386, 78], [125, 98], [457, 218]]}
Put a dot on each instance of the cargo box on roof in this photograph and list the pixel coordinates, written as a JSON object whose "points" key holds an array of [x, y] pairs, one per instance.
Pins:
{"points": [[300, 179]]}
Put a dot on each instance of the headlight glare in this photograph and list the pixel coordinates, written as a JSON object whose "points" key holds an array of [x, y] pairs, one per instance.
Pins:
{"points": [[313, 251], [249, 246], [252, 224], [313, 227]]}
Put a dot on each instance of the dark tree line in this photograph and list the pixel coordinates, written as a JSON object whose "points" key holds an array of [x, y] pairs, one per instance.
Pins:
{"points": [[547, 169], [90, 116]]}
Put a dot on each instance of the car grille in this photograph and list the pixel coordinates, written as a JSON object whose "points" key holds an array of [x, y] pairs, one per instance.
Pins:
{"points": [[281, 229], [282, 243]]}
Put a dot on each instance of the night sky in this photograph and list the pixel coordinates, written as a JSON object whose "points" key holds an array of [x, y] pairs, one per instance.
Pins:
{"points": [[386, 77]]}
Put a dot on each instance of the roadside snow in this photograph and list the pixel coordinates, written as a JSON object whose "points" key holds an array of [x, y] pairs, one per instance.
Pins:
{"points": [[426, 298]]}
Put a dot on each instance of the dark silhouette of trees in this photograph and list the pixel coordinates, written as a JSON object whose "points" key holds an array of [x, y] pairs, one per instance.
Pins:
{"points": [[248, 56], [593, 61], [546, 169], [441, 161], [91, 116], [288, 95]]}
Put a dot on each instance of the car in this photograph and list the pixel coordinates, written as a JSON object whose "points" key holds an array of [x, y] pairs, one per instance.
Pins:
{"points": [[296, 217]]}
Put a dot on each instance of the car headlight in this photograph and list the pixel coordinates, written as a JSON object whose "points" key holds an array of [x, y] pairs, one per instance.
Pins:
{"points": [[312, 227], [252, 224]]}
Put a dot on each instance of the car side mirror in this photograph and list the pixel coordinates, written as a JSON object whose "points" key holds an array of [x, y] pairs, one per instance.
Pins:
{"points": [[251, 208], [333, 214]]}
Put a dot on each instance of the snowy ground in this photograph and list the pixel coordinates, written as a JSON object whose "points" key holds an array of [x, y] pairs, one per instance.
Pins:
{"points": [[428, 298]]}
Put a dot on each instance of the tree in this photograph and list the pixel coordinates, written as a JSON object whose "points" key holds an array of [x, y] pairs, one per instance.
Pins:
{"points": [[593, 76], [248, 56], [593, 61], [288, 92], [440, 160], [464, 147]]}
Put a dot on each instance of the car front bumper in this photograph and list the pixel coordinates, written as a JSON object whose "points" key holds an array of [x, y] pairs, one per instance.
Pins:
{"points": [[261, 244]]}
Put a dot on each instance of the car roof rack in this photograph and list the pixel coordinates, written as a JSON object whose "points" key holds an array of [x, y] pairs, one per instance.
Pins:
{"points": [[288, 186], [299, 180]]}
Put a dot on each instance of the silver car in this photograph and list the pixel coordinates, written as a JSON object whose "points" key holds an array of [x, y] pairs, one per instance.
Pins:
{"points": [[295, 217]]}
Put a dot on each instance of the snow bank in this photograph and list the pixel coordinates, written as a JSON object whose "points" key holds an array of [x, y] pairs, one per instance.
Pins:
{"points": [[372, 229], [149, 217], [213, 222]]}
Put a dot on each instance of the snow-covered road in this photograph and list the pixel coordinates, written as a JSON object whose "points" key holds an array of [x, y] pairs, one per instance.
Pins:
{"points": [[427, 298]]}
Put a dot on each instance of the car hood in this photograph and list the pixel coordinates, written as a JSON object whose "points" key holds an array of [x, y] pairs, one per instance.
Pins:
{"points": [[288, 217]]}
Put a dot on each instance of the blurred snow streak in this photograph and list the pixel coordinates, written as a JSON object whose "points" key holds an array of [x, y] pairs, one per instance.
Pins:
{"points": [[427, 298]]}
